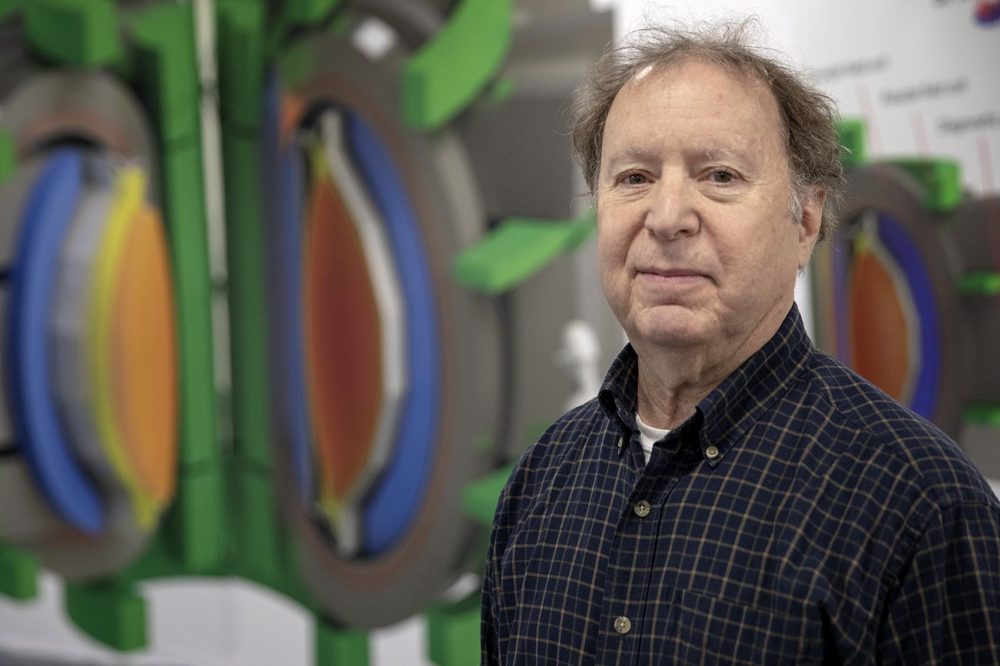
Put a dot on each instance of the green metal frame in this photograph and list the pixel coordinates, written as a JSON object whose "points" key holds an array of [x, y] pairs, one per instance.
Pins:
{"points": [[225, 518]]}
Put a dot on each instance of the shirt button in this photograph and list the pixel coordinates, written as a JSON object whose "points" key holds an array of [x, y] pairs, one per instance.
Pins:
{"points": [[623, 625], [621, 442], [712, 452], [641, 508]]}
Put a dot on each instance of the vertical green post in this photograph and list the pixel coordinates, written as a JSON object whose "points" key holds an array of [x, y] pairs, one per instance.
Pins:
{"points": [[453, 633], [8, 155], [336, 646], [241, 33], [18, 574], [110, 612], [167, 76]]}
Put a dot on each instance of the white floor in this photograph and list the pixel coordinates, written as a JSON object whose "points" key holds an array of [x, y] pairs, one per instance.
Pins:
{"points": [[196, 622]]}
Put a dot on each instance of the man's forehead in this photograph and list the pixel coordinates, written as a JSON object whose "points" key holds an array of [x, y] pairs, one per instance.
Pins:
{"points": [[746, 93]]}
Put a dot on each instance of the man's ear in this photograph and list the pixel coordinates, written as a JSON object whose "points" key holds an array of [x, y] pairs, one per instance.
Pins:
{"points": [[809, 225]]}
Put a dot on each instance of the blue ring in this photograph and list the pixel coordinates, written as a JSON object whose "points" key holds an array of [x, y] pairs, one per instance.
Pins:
{"points": [[290, 347], [46, 221], [897, 241], [396, 501]]}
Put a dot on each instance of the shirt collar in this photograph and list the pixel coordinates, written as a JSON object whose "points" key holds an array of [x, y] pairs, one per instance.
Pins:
{"points": [[729, 410]]}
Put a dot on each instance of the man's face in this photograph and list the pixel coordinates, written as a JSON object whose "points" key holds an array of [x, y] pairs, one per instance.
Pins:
{"points": [[696, 240]]}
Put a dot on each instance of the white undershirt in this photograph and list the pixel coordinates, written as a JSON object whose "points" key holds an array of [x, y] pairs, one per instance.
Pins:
{"points": [[648, 435]]}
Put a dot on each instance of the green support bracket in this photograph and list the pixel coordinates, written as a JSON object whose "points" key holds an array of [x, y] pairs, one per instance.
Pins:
{"points": [[446, 75], [453, 633], [982, 283], [939, 179], [983, 414], [309, 11], [111, 613], [295, 65], [8, 7], [337, 646], [8, 155], [516, 250], [73, 32], [240, 39], [479, 498], [167, 68], [851, 133], [297, 13], [18, 574]]}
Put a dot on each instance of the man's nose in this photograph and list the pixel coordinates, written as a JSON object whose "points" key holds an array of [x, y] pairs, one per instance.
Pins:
{"points": [[672, 211]]}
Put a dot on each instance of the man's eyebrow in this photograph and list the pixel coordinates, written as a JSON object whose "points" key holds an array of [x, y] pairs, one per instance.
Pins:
{"points": [[720, 153], [632, 154]]}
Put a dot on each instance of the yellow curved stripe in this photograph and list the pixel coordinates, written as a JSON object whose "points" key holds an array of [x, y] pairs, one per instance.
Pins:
{"points": [[127, 200]]}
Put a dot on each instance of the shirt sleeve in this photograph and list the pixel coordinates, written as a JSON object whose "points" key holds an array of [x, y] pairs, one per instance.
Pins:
{"points": [[490, 632], [946, 609]]}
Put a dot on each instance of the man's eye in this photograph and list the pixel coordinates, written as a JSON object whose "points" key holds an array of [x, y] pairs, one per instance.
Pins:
{"points": [[723, 177], [634, 179]]}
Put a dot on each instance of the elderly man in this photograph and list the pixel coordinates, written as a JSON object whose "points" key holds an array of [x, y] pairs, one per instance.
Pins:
{"points": [[732, 495]]}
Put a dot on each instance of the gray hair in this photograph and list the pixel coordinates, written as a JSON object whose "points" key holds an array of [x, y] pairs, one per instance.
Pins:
{"points": [[809, 117]]}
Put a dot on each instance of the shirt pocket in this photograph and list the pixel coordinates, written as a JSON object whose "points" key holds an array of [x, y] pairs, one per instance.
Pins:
{"points": [[706, 630]]}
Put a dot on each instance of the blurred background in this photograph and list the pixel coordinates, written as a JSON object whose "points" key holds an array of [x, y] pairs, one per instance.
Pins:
{"points": [[286, 286]]}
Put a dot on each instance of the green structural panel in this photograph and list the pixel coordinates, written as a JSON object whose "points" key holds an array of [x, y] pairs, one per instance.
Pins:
{"points": [[517, 249], [197, 521], [256, 525], [309, 11], [851, 133], [447, 74], [336, 646], [479, 499], [453, 633], [189, 248], [8, 155], [18, 574], [73, 32], [985, 283], [167, 68], [983, 414], [111, 613], [294, 14], [939, 179], [240, 40], [9, 7], [247, 312]]}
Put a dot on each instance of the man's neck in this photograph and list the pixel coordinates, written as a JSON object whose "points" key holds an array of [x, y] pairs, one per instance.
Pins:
{"points": [[672, 382]]}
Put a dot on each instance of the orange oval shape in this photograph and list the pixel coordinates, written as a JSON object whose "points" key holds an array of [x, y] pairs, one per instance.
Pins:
{"points": [[343, 352], [144, 358], [878, 325]]}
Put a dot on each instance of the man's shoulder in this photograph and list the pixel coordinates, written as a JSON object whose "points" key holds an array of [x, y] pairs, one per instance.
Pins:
{"points": [[885, 433], [565, 435], [563, 443]]}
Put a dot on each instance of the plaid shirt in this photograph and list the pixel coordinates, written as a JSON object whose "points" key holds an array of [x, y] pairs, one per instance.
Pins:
{"points": [[800, 516]]}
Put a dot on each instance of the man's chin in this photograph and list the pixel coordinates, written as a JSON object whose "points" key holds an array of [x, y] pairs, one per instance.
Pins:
{"points": [[675, 333]]}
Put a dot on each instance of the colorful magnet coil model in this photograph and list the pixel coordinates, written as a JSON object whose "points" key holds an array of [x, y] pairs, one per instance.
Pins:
{"points": [[91, 344]]}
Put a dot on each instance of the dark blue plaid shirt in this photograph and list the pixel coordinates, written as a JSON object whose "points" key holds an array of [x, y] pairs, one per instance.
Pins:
{"points": [[800, 516]]}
